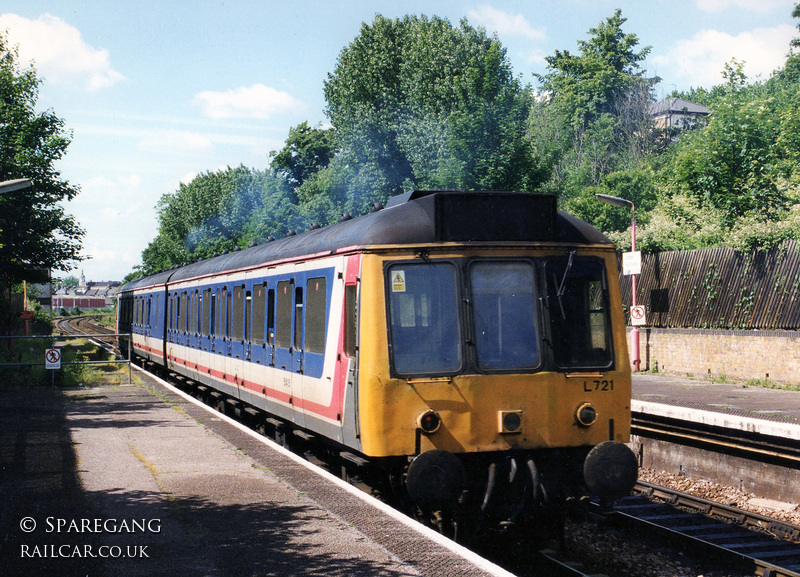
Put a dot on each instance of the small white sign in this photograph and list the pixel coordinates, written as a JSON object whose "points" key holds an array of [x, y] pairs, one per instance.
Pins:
{"points": [[399, 281], [638, 318], [52, 359], [632, 263]]}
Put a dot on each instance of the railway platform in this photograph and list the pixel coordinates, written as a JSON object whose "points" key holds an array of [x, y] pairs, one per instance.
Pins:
{"points": [[135, 480], [769, 411]]}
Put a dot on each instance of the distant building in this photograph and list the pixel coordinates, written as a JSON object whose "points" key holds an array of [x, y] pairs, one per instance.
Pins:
{"points": [[678, 113], [87, 295]]}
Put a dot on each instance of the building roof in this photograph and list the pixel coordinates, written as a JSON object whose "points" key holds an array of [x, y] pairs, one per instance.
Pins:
{"points": [[677, 106]]}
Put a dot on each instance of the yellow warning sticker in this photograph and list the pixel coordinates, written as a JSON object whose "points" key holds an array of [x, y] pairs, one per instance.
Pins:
{"points": [[399, 281]]}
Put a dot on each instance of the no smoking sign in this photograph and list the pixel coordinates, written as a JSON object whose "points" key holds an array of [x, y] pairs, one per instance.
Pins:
{"points": [[52, 359], [637, 316]]}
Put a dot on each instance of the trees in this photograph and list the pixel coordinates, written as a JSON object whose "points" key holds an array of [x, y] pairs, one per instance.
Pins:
{"points": [[215, 212], [419, 103], [36, 234], [596, 103]]}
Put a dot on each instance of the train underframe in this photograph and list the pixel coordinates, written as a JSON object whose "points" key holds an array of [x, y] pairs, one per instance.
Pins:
{"points": [[459, 495]]}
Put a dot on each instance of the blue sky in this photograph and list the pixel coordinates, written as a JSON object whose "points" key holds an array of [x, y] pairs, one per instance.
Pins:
{"points": [[156, 92]]}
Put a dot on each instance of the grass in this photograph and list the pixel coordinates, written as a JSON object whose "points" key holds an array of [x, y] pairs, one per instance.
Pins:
{"points": [[22, 364]]}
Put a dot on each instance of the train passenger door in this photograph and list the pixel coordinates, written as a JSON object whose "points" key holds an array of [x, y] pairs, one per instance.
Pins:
{"points": [[288, 359]]}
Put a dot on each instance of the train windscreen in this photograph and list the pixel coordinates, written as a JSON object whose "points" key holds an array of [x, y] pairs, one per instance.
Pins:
{"points": [[424, 311], [577, 300]]}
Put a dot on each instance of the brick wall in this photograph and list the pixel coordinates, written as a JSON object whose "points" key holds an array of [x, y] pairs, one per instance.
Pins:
{"points": [[735, 354]]}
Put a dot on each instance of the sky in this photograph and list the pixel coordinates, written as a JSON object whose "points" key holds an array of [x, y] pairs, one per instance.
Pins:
{"points": [[156, 92]]}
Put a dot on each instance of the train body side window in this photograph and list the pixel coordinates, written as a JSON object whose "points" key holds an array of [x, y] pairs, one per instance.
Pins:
{"points": [[316, 313], [271, 317], [259, 312], [248, 312], [212, 315], [283, 315], [198, 325], [206, 312], [350, 319], [298, 318], [237, 326]]}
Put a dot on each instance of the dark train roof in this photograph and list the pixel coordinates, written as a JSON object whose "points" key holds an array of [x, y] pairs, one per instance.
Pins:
{"points": [[419, 217]]}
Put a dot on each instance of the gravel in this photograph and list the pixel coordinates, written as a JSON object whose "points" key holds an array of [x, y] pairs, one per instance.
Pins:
{"points": [[610, 551]]}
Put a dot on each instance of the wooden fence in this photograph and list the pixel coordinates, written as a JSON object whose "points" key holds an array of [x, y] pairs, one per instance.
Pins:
{"points": [[720, 288]]}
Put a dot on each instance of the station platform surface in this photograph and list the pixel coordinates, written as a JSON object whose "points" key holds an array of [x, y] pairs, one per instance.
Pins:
{"points": [[771, 411], [138, 480]]}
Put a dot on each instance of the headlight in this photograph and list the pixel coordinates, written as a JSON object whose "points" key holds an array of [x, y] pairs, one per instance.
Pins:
{"points": [[510, 421], [429, 422], [585, 415]]}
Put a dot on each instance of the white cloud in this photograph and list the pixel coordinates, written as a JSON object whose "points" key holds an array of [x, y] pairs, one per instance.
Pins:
{"points": [[176, 142], [750, 5], [699, 61], [503, 23], [189, 177], [59, 52], [257, 101]]}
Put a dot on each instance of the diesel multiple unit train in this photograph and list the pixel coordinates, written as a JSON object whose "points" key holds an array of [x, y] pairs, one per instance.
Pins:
{"points": [[468, 348]]}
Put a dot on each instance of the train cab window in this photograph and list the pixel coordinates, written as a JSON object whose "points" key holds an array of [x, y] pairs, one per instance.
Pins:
{"points": [[316, 311], [237, 326], [578, 309], [283, 316], [504, 315], [424, 309], [259, 311]]}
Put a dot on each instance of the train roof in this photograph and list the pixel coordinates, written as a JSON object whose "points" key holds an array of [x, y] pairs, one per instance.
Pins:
{"points": [[419, 217]]}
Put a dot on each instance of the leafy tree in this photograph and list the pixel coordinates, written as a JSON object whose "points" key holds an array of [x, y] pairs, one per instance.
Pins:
{"points": [[216, 212], [307, 150], [730, 164], [596, 103], [35, 232], [417, 102]]}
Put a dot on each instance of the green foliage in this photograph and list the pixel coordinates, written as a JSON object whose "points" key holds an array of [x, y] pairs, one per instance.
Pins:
{"points": [[215, 212], [419, 103], [35, 232], [594, 119], [307, 151]]}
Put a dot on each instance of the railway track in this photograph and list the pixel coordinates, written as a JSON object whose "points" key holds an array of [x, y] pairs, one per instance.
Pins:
{"points": [[773, 450], [768, 547]]}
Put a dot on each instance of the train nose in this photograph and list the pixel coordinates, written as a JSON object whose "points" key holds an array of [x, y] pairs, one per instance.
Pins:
{"points": [[435, 480], [610, 470]]}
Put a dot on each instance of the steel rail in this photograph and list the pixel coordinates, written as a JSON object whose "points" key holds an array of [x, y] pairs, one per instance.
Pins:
{"points": [[754, 446], [730, 534]]}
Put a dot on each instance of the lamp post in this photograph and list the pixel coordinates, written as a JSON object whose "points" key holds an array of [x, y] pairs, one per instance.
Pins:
{"points": [[624, 203], [12, 185]]}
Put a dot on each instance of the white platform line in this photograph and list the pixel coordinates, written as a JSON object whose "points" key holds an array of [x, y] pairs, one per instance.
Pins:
{"points": [[724, 420], [425, 532]]}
